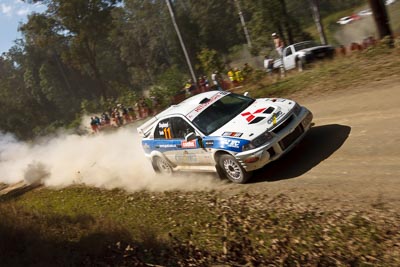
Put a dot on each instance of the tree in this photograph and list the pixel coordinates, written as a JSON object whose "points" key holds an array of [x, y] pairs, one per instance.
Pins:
{"points": [[317, 19], [381, 19], [209, 23], [285, 18], [210, 61], [145, 39], [86, 24]]}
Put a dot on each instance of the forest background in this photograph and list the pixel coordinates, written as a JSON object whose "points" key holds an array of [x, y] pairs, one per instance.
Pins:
{"points": [[81, 57]]}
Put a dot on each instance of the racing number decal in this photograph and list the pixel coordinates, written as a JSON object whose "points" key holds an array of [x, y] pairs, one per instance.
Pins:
{"points": [[167, 133]]}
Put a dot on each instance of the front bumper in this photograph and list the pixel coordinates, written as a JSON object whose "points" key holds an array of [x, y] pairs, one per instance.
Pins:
{"points": [[319, 54], [286, 135]]}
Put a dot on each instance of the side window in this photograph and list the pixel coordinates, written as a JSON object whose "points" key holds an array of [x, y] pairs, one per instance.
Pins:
{"points": [[180, 127], [163, 130], [288, 51]]}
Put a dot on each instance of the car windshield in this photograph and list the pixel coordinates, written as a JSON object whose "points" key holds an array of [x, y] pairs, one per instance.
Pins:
{"points": [[304, 45], [221, 112]]}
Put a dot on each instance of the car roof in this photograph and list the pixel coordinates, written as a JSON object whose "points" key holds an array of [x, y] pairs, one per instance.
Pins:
{"points": [[184, 108], [188, 105]]}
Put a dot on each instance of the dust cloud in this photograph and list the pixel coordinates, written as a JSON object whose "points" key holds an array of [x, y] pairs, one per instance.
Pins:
{"points": [[106, 160], [356, 31]]}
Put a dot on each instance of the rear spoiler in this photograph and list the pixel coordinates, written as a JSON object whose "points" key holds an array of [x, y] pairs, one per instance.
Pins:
{"points": [[145, 128]]}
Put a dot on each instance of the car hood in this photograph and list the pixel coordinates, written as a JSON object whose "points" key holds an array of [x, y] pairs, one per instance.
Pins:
{"points": [[264, 114], [316, 48]]}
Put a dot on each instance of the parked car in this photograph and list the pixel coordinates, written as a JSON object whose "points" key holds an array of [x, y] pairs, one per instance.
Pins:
{"points": [[223, 132], [300, 54]]}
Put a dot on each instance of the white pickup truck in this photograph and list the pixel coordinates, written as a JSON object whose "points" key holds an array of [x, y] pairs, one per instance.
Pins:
{"points": [[299, 54]]}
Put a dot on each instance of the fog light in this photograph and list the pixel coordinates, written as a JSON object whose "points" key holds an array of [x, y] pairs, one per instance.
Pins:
{"points": [[251, 160], [307, 120]]}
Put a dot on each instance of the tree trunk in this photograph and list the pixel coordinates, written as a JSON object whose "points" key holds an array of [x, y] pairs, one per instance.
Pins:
{"points": [[381, 19], [317, 19], [286, 23], [246, 32], [178, 33]]}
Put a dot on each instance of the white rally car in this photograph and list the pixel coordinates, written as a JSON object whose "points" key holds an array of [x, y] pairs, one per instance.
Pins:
{"points": [[223, 132]]}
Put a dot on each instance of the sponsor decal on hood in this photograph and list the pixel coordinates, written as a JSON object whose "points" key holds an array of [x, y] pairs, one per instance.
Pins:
{"points": [[262, 115], [252, 115]]}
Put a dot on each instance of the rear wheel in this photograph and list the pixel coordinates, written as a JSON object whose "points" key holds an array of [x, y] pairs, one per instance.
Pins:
{"points": [[233, 170], [161, 165]]}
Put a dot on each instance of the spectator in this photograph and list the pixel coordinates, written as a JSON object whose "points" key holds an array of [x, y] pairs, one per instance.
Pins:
{"points": [[268, 64], [247, 70], [116, 117], [216, 79], [231, 76], [189, 86], [278, 44], [206, 82], [125, 115], [238, 77], [132, 113], [202, 83], [105, 119], [94, 125], [97, 120]]}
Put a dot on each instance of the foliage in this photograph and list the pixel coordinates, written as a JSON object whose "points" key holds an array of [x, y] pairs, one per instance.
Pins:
{"points": [[210, 61]]}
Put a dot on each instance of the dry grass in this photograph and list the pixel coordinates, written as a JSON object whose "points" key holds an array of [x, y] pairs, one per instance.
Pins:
{"points": [[88, 226], [355, 69]]}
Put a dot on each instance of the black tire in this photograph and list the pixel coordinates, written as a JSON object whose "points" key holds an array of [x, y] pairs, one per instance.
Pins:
{"points": [[233, 170], [299, 65], [220, 172], [162, 166]]}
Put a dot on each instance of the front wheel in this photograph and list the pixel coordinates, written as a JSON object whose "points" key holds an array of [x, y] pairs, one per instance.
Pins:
{"points": [[161, 165], [233, 170]]}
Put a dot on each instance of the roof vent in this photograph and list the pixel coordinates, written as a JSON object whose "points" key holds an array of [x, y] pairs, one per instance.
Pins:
{"points": [[204, 100], [269, 110]]}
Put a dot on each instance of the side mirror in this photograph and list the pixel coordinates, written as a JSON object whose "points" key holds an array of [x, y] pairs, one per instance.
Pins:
{"points": [[246, 94], [190, 136]]}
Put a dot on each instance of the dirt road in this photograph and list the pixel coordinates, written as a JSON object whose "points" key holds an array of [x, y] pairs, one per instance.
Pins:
{"points": [[350, 158]]}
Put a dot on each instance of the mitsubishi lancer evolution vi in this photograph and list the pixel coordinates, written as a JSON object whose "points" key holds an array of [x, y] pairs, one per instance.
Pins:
{"points": [[223, 132]]}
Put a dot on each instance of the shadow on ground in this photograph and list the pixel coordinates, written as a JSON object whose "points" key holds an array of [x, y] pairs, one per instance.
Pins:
{"points": [[9, 192], [39, 239], [319, 144]]}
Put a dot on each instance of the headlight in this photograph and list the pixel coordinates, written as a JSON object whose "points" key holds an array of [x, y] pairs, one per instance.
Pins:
{"points": [[258, 141], [303, 54], [296, 109]]}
